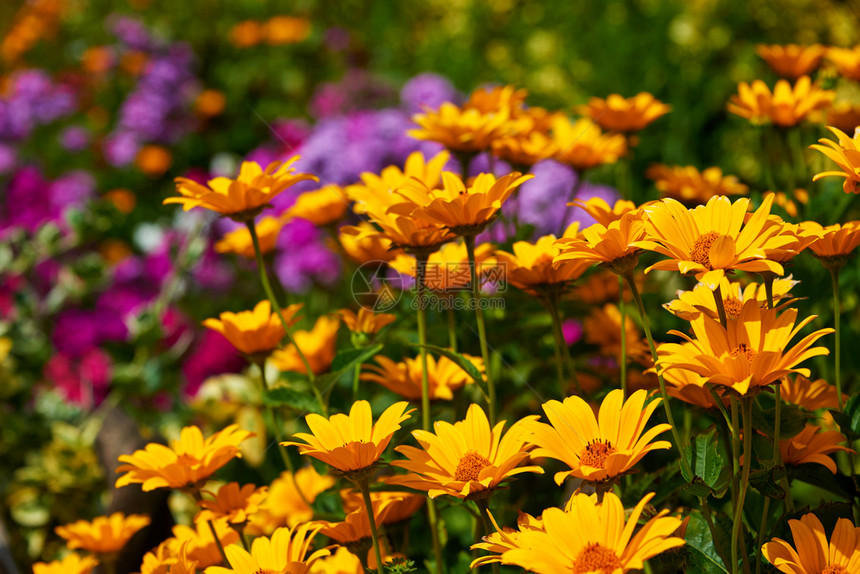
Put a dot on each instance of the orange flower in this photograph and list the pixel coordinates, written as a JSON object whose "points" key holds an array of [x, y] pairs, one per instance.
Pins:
{"points": [[844, 116], [615, 246], [530, 267], [792, 60], [525, 148], [283, 30], [364, 243], [234, 503], [691, 388], [318, 345], [603, 328], [811, 395], [356, 526], [846, 60], [210, 103], [752, 352], [692, 187], [376, 193], [597, 448], [402, 504], [582, 145], [71, 564], [341, 561], [154, 160], [284, 506], [105, 534], [602, 212], [443, 376], [467, 459], [835, 242], [846, 155], [286, 552], [620, 114], [246, 34], [188, 462], [787, 106], [254, 333], [199, 543], [239, 240], [690, 304], [321, 207], [794, 238], [122, 199], [495, 99], [463, 130], [365, 321], [351, 443], [416, 237], [812, 445], [242, 198], [813, 554], [448, 268]]}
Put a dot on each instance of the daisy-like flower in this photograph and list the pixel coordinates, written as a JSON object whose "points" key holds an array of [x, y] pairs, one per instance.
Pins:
{"points": [[712, 239], [615, 246], [416, 237], [587, 537], [321, 207], [159, 559], [812, 445], [602, 287], [597, 448], [791, 60], [846, 155], [526, 147], [691, 388], [844, 116], [583, 145], [254, 333], [846, 60], [530, 266], [188, 462], [342, 561], [286, 552], [508, 99], [812, 553], [467, 459], [808, 394], [691, 304], [693, 187], [284, 505], [444, 376], [242, 198], [70, 564], [356, 526], [794, 239], [602, 328], [239, 240], [319, 346], [447, 269], [602, 212], [105, 534], [787, 106], [835, 243], [365, 322], [619, 114], [235, 503], [364, 243], [462, 130], [198, 542], [751, 352], [375, 194], [402, 505], [351, 443]]}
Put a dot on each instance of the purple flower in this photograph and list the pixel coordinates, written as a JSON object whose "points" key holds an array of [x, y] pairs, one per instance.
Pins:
{"points": [[212, 355], [130, 32], [32, 99], [303, 259], [7, 158], [120, 148], [72, 189], [427, 90], [74, 138], [27, 202], [572, 331]]}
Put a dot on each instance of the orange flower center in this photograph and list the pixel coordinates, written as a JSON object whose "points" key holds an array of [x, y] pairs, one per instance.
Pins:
{"points": [[596, 558], [733, 307], [595, 453], [743, 350], [835, 569], [701, 252], [470, 466]]}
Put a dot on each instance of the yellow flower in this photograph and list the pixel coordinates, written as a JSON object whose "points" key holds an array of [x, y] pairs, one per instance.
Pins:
{"points": [[620, 114], [321, 207], [239, 241], [615, 246], [602, 287], [351, 443], [844, 116], [318, 345], [198, 541], [751, 353], [283, 30], [105, 534], [284, 506], [402, 505], [597, 448], [793, 237], [587, 537], [530, 266], [846, 60], [246, 34], [364, 243], [714, 238], [448, 268], [234, 503], [602, 212], [464, 210], [691, 388], [160, 559], [256, 332], [690, 304], [242, 198], [787, 106], [71, 564], [443, 376], [846, 155], [341, 562], [467, 459], [791, 60], [188, 462], [526, 147], [582, 145], [356, 526], [602, 328], [812, 445], [416, 237], [811, 395], [463, 130], [813, 553], [692, 187], [495, 99], [365, 321], [835, 243], [286, 552]]}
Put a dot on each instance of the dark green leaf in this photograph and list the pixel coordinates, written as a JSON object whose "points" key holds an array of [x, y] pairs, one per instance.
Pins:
{"points": [[702, 556], [767, 481], [792, 419], [462, 361], [710, 473], [288, 397], [818, 475], [849, 420], [345, 361]]}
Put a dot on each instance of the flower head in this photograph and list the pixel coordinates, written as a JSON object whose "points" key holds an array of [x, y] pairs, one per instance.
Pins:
{"points": [[239, 240], [582, 145], [256, 332], [808, 394], [376, 193], [690, 304], [602, 212], [812, 445], [321, 207], [846, 60], [791, 60], [286, 552], [365, 321], [530, 266], [620, 114], [187, 463], [235, 503], [846, 154], [284, 506], [342, 561], [693, 187], [364, 243], [787, 106], [71, 564], [603, 328], [463, 130], [318, 346], [597, 448], [812, 553], [105, 534], [834, 243], [244, 197], [467, 459], [198, 542], [444, 376], [448, 268], [616, 245]]}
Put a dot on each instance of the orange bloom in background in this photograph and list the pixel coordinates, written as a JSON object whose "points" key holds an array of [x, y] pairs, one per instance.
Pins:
{"points": [[342, 561], [751, 353], [467, 459], [284, 506], [105, 534], [616, 246], [365, 321], [587, 537], [70, 564], [351, 443], [463, 130], [444, 376], [835, 242], [603, 328], [620, 114], [198, 543], [844, 116], [246, 34], [321, 207], [402, 506], [602, 287], [846, 155], [494, 99], [239, 240], [525, 148], [97, 60], [582, 145], [122, 199], [154, 160], [187, 463], [692, 187], [812, 445], [811, 395], [846, 60], [259, 331], [787, 106], [242, 198], [287, 552], [812, 553], [690, 304], [364, 243], [319, 346], [712, 239], [597, 448], [283, 30], [235, 503], [160, 558], [134, 62], [791, 60], [356, 526], [798, 237], [210, 103], [448, 268], [602, 212], [530, 267]]}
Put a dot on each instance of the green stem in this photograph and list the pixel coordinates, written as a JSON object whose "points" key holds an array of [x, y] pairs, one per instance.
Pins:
{"points": [[622, 360], [452, 329], [737, 519], [560, 343], [760, 538], [356, 373], [267, 287], [482, 329], [368, 506], [483, 508], [218, 543], [834, 276]]}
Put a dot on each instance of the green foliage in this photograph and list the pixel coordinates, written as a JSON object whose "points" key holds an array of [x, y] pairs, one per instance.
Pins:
{"points": [[711, 474]]}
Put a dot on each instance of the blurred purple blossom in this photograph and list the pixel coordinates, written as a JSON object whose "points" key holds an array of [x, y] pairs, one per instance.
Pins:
{"points": [[8, 157], [212, 355], [31, 200], [427, 90], [303, 259], [131, 32], [74, 138], [120, 148], [31, 100]]}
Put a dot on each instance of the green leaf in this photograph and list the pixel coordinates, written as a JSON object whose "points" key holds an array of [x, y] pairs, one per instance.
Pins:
{"points": [[289, 397], [767, 481], [818, 475], [710, 472], [849, 420], [702, 556], [461, 360], [792, 419], [345, 361]]}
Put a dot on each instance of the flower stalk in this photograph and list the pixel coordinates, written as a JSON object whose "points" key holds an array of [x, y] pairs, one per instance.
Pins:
{"points": [[482, 329]]}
